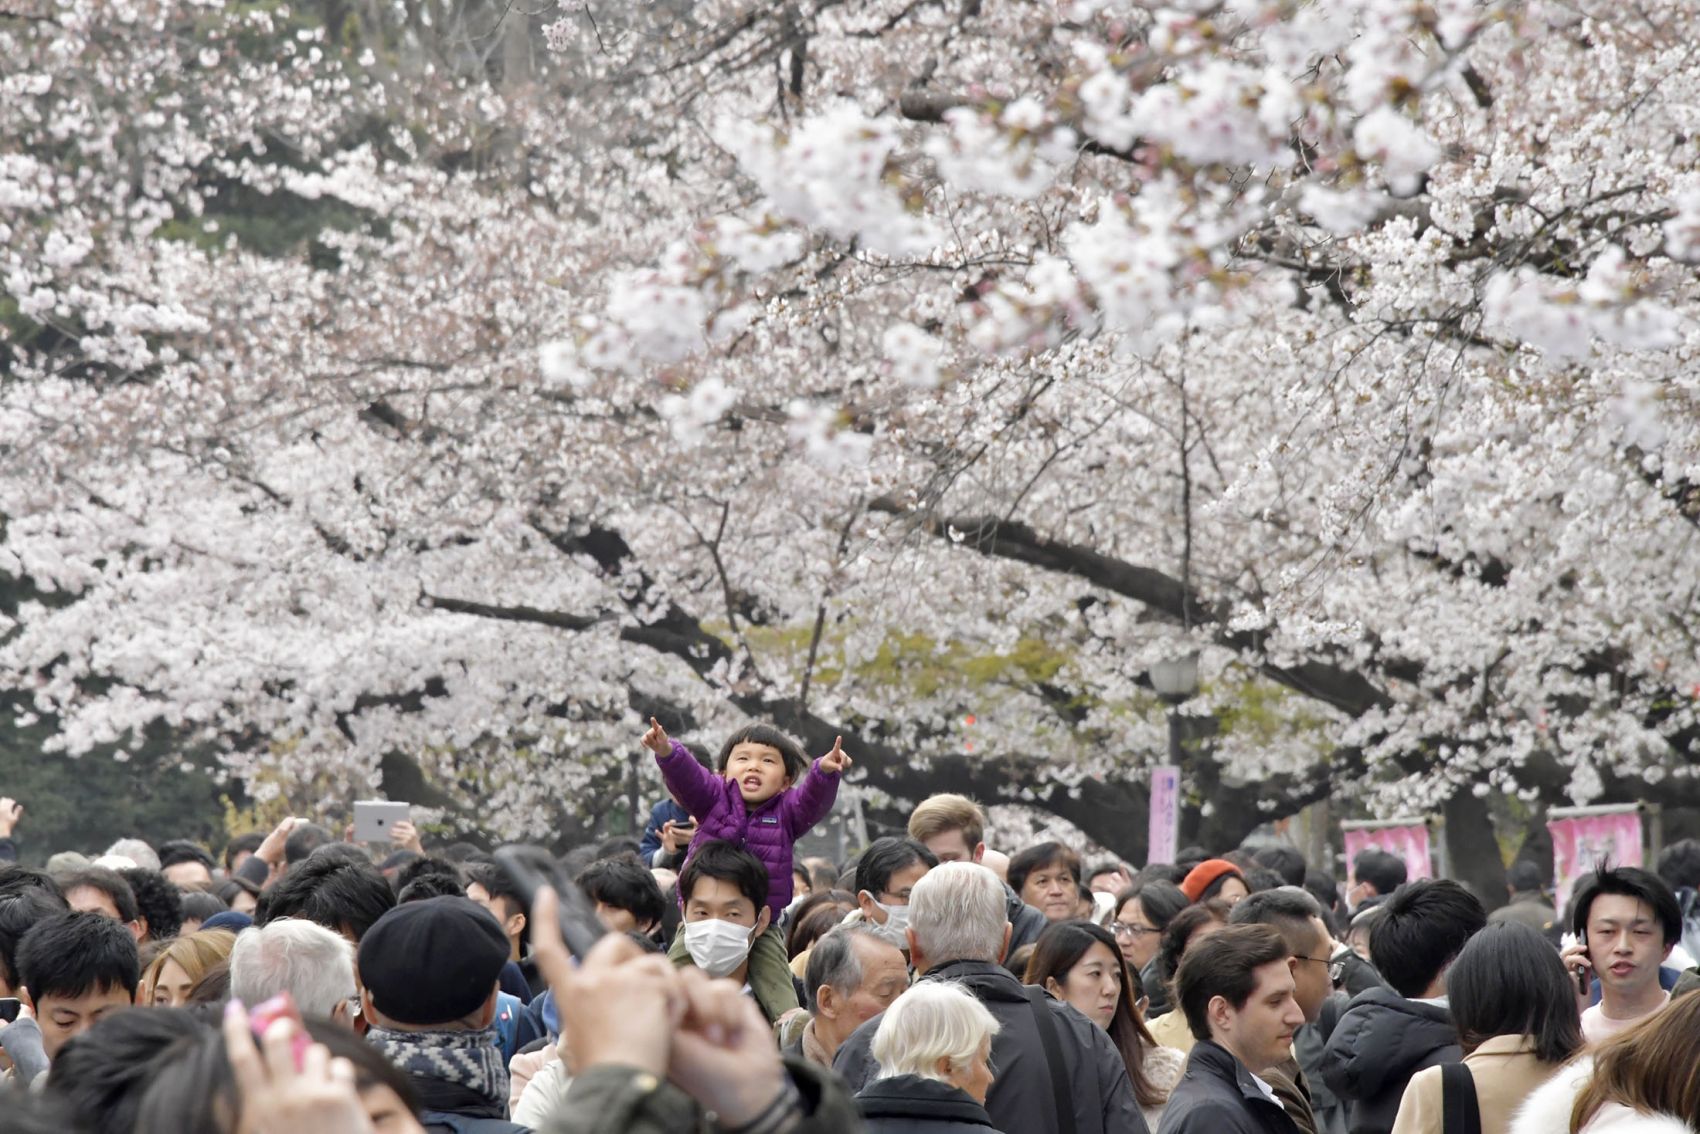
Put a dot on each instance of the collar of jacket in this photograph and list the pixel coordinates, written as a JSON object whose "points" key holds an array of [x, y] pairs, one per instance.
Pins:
{"points": [[984, 979], [1224, 1064], [911, 1096]]}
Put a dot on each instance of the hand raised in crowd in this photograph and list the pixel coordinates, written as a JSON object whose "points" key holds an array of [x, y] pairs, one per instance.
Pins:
{"points": [[10, 812], [280, 1098], [623, 1007], [837, 760], [405, 836], [619, 1006], [723, 1052], [656, 739], [270, 851]]}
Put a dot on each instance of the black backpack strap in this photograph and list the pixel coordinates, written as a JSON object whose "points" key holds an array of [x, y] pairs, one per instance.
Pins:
{"points": [[1460, 1111], [1062, 1096]]}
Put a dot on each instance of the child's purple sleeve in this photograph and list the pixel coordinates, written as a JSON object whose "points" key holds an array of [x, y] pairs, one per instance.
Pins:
{"points": [[809, 802], [692, 784]]}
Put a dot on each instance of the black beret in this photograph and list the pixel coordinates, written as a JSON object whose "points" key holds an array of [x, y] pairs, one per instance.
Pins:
{"points": [[432, 962]]}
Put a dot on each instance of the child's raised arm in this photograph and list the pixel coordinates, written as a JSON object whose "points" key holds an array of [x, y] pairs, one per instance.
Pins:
{"points": [[809, 802], [694, 785]]}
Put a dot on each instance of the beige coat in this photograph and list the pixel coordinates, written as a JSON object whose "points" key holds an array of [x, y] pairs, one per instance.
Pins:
{"points": [[1170, 1030], [1506, 1072]]}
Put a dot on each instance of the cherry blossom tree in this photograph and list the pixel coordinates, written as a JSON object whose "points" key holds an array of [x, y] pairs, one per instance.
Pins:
{"points": [[869, 368]]}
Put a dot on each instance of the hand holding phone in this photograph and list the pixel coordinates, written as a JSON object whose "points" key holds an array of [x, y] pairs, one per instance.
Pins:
{"points": [[282, 1007], [1577, 961]]}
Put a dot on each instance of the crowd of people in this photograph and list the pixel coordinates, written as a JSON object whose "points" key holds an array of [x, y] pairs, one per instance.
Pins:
{"points": [[707, 977]]}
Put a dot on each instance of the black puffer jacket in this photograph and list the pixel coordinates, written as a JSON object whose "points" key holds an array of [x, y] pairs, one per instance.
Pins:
{"points": [[909, 1104], [1381, 1041]]}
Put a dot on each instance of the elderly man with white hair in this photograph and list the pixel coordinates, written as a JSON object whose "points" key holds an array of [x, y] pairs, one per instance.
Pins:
{"points": [[304, 959], [934, 1047], [1051, 1061]]}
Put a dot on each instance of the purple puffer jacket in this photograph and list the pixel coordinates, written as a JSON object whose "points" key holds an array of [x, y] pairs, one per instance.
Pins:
{"points": [[769, 832]]}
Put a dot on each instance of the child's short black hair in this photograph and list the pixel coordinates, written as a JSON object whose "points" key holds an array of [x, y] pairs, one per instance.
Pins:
{"points": [[789, 750], [76, 953], [626, 884], [1629, 882], [723, 861]]}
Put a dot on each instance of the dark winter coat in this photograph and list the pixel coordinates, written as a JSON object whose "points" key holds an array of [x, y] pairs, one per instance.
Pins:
{"points": [[769, 832], [1217, 1095], [1381, 1041], [1021, 1099], [909, 1104], [660, 815]]}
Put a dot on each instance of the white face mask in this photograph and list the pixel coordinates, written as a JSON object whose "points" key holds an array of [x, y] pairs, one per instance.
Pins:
{"points": [[717, 947], [896, 921]]}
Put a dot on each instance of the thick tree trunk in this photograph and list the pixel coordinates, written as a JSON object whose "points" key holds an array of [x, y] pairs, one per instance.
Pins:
{"points": [[1473, 849]]}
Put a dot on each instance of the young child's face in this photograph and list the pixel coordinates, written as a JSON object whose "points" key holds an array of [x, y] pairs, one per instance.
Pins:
{"points": [[758, 770]]}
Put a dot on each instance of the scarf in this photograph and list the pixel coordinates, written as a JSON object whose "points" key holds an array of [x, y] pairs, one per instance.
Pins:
{"points": [[471, 1061]]}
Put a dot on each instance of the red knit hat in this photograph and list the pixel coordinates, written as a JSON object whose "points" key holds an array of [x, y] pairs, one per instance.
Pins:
{"points": [[1204, 875]]}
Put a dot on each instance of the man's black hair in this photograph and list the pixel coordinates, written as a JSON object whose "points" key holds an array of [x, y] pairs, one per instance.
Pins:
{"points": [[795, 762], [333, 892], [249, 842], [1524, 877], [395, 860], [430, 886], [101, 1075], [1286, 861], [198, 905], [342, 852], [1508, 981], [625, 884], [1259, 879], [420, 867], [108, 882], [1629, 882], [304, 840], [1323, 888], [727, 863], [1188, 857], [499, 883], [157, 898], [1421, 929], [1386, 872], [19, 912], [71, 954], [462, 852], [885, 857], [1679, 865], [15, 879], [1160, 872], [1039, 856], [618, 847], [178, 851], [1288, 910], [1105, 866]]}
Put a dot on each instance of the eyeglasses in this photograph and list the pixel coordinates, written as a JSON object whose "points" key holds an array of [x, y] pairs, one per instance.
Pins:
{"points": [[1336, 969], [1128, 929]]}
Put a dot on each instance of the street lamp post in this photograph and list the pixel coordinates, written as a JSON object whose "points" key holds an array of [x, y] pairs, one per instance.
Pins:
{"points": [[1175, 680]]}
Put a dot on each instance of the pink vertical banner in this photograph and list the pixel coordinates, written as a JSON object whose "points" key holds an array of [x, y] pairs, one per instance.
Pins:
{"points": [[1579, 843], [1165, 814], [1408, 842]]}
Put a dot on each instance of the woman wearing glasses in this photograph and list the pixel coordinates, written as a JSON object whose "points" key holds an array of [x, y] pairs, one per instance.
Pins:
{"points": [[1078, 962], [1143, 911]]}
